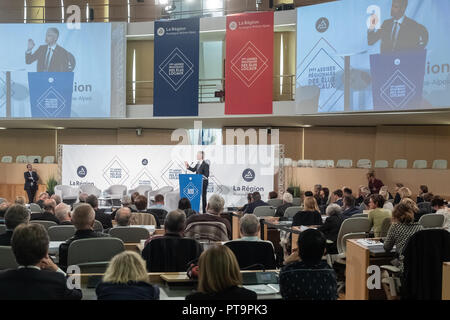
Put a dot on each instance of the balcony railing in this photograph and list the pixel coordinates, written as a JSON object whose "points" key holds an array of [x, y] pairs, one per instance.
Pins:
{"points": [[210, 90]]}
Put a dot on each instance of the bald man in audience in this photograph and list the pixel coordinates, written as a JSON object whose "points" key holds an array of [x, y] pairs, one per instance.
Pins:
{"points": [[123, 217], [62, 213], [49, 212], [83, 218], [57, 198]]}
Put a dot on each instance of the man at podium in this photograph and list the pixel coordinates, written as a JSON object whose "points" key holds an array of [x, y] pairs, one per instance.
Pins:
{"points": [[202, 167]]}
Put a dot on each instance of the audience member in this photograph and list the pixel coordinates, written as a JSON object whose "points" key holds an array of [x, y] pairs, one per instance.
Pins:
{"points": [[20, 200], [123, 217], [397, 197], [37, 277], [220, 277], [256, 202], [126, 279], [133, 197], [377, 214], [363, 193], [349, 208], [62, 213], [404, 193], [83, 197], [249, 200], [100, 215], [337, 197], [273, 195], [438, 204], [287, 203], [159, 203], [125, 203], [49, 212], [3, 208], [310, 216], [141, 203], [423, 189], [249, 227], [15, 215], [332, 224], [374, 183], [316, 195], [324, 197], [83, 218], [57, 198], [347, 192], [42, 197], [385, 194], [185, 205]]}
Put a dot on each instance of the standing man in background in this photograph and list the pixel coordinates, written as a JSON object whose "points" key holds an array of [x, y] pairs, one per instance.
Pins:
{"points": [[31, 183], [374, 183], [202, 167]]}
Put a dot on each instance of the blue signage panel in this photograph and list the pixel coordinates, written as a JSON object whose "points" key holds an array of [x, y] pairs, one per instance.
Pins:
{"points": [[176, 67], [191, 188]]}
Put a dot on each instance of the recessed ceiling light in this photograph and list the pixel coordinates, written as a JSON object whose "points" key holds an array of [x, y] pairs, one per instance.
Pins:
{"points": [[2, 128], [306, 126], [60, 128]]}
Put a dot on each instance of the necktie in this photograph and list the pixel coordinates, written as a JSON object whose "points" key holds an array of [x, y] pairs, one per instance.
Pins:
{"points": [[47, 60], [394, 34]]}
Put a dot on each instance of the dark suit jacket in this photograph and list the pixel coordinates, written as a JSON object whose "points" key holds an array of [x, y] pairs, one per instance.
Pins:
{"points": [[61, 61], [33, 284], [203, 169], [412, 36], [307, 218], [5, 238], [330, 229], [128, 291], [281, 209], [251, 206], [26, 176], [104, 218], [351, 211], [46, 216], [233, 293]]}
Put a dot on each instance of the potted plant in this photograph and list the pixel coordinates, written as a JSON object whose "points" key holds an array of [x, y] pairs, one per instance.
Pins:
{"points": [[51, 183]]}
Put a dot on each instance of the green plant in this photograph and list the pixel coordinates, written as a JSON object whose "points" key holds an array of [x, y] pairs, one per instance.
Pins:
{"points": [[294, 187], [51, 183]]}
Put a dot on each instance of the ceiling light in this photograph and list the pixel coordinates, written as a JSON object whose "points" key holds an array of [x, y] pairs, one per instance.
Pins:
{"points": [[60, 128], [2, 128]]}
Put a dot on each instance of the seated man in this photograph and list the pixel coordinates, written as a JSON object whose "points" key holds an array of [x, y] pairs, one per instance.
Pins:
{"points": [[49, 212], [126, 203], [37, 277], [159, 203], [256, 202], [83, 218], [15, 215], [287, 202], [62, 213], [349, 207], [337, 197], [141, 205], [314, 286], [101, 216], [213, 210], [171, 252], [249, 228], [4, 205], [42, 197], [57, 198]]}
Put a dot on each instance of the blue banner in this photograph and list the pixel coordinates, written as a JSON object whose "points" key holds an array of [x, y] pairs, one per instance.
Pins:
{"points": [[51, 94], [191, 188], [176, 68]]}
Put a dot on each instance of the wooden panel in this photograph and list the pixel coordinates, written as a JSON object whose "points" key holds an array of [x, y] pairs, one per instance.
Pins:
{"points": [[446, 281], [148, 137], [357, 261], [87, 136], [11, 191], [12, 173], [144, 52], [33, 142]]}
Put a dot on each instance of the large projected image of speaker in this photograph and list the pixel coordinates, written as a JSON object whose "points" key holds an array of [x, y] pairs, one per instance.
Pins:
{"points": [[51, 94], [397, 80]]}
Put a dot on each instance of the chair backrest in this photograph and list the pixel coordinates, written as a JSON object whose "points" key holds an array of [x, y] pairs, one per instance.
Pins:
{"points": [[264, 211], [291, 211], [364, 164], [46, 224], [287, 162], [35, 208], [160, 214], [344, 163], [330, 163], [164, 190], [98, 226], [32, 159], [351, 225], [253, 255], [275, 202], [420, 164], [348, 236], [401, 164], [90, 189], [381, 164], [297, 201], [320, 164], [305, 163], [67, 192], [2, 228], [143, 219], [359, 215], [116, 191], [171, 200], [129, 234], [94, 250], [440, 164], [7, 258], [21, 159], [61, 233], [48, 159], [294, 163], [7, 159], [432, 220], [207, 231], [308, 284], [385, 225]]}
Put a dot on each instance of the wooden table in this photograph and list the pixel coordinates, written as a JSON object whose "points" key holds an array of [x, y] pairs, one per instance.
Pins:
{"points": [[446, 281]]}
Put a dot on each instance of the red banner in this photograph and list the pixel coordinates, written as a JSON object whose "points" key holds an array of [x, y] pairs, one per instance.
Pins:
{"points": [[249, 63]]}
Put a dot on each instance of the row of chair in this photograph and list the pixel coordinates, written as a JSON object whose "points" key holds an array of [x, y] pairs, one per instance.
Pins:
{"points": [[364, 164], [28, 159]]}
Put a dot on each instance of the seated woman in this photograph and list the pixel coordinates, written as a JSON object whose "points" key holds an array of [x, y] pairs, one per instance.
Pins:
{"points": [[126, 279], [397, 197], [287, 203], [377, 214], [310, 216], [385, 194], [423, 190], [219, 277], [185, 205], [332, 225]]}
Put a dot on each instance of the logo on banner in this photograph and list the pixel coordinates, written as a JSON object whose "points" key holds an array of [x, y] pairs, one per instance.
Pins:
{"points": [[115, 172], [82, 171], [249, 64], [233, 25], [398, 90], [144, 177], [51, 102], [144, 162], [161, 31], [248, 175], [176, 69], [322, 25], [170, 173], [190, 191]]}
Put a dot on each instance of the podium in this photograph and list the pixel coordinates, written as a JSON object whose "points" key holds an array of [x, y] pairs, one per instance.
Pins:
{"points": [[397, 80], [50, 94], [191, 188]]}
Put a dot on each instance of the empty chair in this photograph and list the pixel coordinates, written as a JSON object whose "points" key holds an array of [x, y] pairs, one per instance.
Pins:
{"points": [[287, 162], [46, 224], [7, 258], [164, 190], [364, 164], [296, 201], [116, 192], [291, 211], [90, 189], [294, 163], [130, 234], [7, 159], [48, 159], [381, 164], [2, 228], [207, 231], [93, 255], [34, 159], [253, 255], [141, 189], [264, 211], [320, 164], [344, 163], [21, 159], [440, 164], [420, 164], [308, 284], [35, 208], [143, 219], [275, 202], [330, 163], [61, 233], [171, 200], [401, 164], [351, 228], [305, 163], [432, 220], [98, 226], [68, 194]]}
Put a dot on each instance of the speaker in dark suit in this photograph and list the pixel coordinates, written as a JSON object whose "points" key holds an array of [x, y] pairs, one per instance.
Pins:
{"points": [[202, 167], [50, 57], [31, 183], [399, 33]]}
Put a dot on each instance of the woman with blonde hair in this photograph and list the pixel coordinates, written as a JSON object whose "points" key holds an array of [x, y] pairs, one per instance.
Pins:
{"points": [[385, 194], [310, 216], [126, 279], [219, 277], [404, 192]]}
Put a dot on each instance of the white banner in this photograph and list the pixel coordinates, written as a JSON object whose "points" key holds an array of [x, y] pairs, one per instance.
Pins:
{"points": [[235, 171]]}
